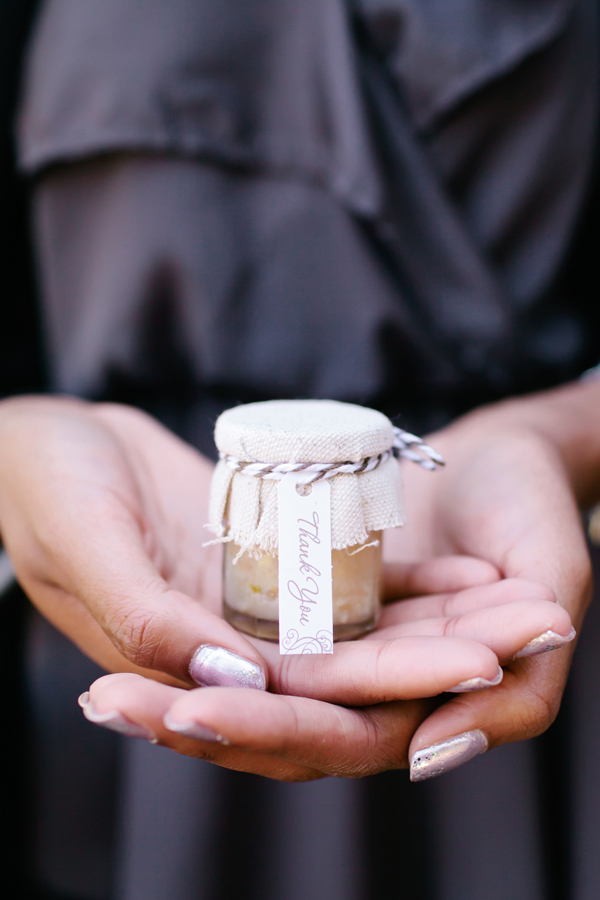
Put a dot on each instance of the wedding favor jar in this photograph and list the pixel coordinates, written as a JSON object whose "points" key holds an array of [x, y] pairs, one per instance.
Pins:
{"points": [[350, 447]]}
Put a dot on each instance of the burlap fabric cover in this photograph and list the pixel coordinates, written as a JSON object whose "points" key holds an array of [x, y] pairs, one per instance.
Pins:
{"points": [[244, 508]]}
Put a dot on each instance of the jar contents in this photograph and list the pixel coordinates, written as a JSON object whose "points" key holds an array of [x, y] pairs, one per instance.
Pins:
{"points": [[251, 590]]}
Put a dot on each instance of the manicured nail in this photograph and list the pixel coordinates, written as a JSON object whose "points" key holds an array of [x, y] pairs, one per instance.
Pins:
{"points": [[217, 667], [549, 640], [115, 721], [476, 684], [194, 730], [447, 755]]}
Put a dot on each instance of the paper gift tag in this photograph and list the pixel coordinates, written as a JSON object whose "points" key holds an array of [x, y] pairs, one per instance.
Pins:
{"points": [[305, 588]]}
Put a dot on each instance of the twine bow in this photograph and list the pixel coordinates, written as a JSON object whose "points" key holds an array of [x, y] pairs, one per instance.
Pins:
{"points": [[405, 446]]}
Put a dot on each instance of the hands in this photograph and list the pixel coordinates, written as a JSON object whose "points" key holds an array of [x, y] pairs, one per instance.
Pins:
{"points": [[102, 512]]}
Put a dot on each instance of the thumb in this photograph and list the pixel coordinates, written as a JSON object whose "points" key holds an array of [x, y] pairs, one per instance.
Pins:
{"points": [[99, 587], [524, 705]]}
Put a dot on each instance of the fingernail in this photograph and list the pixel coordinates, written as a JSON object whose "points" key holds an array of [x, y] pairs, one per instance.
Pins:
{"points": [[447, 755], [115, 721], [549, 640], [476, 684], [194, 730], [217, 667]]}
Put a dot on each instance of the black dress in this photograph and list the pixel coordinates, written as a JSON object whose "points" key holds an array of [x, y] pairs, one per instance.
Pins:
{"points": [[375, 202]]}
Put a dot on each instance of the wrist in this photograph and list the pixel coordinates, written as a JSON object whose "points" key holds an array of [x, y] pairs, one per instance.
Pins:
{"points": [[566, 420]]}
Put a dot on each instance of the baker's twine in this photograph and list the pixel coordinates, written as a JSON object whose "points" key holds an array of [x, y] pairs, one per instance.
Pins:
{"points": [[405, 446]]}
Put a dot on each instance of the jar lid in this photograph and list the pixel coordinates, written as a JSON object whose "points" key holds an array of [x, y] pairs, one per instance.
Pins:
{"points": [[256, 439]]}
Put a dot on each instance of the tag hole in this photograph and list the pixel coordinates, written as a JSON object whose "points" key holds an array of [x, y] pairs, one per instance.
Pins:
{"points": [[305, 490]]}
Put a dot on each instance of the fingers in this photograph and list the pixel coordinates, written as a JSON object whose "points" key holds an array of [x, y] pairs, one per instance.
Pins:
{"points": [[331, 739], [135, 707], [507, 629], [442, 575], [523, 706], [361, 673], [504, 629], [509, 590], [294, 738], [290, 738]]}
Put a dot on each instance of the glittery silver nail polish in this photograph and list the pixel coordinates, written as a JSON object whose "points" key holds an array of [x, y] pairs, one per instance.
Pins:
{"points": [[549, 640], [447, 755], [115, 721], [217, 667], [476, 684], [194, 730]]}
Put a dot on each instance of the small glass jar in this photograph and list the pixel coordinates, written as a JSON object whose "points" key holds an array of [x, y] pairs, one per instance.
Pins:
{"points": [[346, 446], [251, 590]]}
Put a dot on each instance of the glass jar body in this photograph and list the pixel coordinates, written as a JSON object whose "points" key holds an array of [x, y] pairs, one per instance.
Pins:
{"points": [[251, 591]]}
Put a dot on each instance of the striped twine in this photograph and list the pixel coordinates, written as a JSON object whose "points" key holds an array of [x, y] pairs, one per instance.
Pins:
{"points": [[405, 446]]}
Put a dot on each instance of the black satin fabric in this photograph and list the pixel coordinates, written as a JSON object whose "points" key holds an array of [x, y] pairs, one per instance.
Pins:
{"points": [[21, 367], [378, 202], [442, 150]]}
